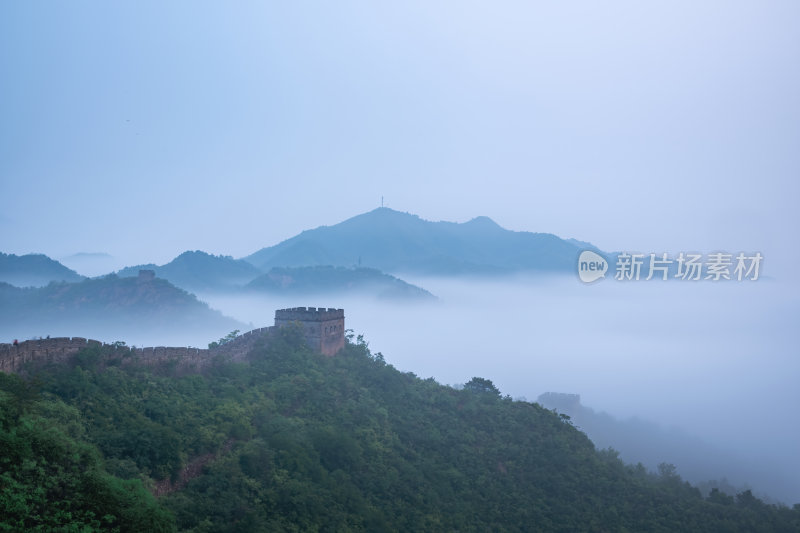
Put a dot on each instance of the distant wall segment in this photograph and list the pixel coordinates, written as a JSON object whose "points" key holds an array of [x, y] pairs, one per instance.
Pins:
{"points": [[60, 349], [323, 330]]}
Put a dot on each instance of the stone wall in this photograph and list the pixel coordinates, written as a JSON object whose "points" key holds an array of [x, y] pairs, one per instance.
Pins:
{"points": [[60, 349], [323, 328], [307, 314], [57, 349]]}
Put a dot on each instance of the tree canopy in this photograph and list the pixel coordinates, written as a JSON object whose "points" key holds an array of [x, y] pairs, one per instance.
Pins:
{"points": [[296, 441]]}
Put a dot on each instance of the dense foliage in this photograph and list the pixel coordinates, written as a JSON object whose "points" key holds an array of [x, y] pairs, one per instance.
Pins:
{"points": [[295, 441], [51, 479]]}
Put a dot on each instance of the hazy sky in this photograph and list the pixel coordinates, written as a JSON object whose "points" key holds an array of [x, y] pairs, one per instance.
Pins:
{"points": [[143, 129]]}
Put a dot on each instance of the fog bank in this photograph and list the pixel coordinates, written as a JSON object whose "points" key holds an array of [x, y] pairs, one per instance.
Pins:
{"points": [[715, 360]]}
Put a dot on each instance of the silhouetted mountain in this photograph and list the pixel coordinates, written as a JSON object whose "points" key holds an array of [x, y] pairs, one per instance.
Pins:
{"points": [[329, 279], [397, 242], [108, 307], [90, 263], [640, 441], [89, 256], [199, 271], [33, 270]]}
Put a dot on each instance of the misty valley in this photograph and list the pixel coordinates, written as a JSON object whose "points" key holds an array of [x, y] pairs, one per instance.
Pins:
{"points": [[471, 383]]}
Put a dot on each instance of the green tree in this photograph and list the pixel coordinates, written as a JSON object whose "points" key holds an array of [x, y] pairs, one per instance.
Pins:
{"points": [[224, 340], [482, 386]]}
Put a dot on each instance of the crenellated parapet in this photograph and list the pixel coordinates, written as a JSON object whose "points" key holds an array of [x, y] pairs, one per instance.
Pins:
{"points": [[57, 349], [308, 314], [13, 358], [323, 328]]}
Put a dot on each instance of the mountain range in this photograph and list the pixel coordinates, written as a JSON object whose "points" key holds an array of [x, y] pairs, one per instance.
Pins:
{"points": [[381, 240], [108, 307], [201, 272], [401, 243], [356, 256], [33, 270]]}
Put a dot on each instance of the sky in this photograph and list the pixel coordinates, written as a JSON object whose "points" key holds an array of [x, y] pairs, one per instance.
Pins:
{"points": [[146, 129]]}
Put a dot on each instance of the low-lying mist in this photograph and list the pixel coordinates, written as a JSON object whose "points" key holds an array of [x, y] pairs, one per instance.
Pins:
{"points": [[717, 360]]}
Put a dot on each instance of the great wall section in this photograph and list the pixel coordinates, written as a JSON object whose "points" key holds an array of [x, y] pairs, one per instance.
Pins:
{"points": [[323, 330]]}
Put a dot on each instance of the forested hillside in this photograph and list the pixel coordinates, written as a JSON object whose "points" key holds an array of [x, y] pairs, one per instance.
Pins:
{"points": [[33, 270], [107, 308], [328, 279], [295, 441], [198, 271]]}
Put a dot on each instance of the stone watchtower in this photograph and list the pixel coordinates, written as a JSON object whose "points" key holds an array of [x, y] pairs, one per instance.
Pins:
{"points": [[323, 328]]}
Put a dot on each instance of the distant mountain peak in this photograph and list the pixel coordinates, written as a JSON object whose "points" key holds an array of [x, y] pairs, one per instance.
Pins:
{"points": [[484, 222], [90, 255], [200, 255], [34, 270], [385, 213], [197, 271], [390, 211], [401, 243]]}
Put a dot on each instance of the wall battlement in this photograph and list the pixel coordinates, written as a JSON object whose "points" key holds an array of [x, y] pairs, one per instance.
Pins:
{"points": [[60, 349], [308, 314], [323, 330], [57, 349]]}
